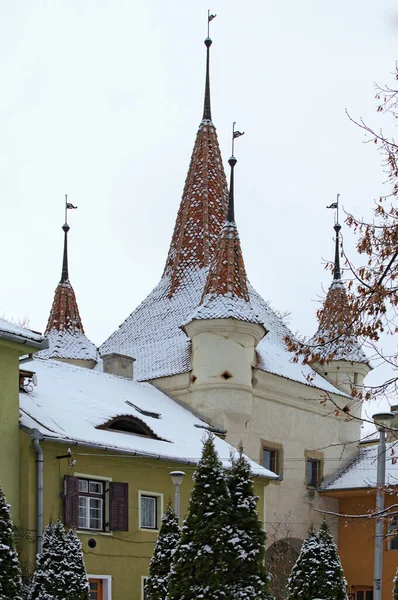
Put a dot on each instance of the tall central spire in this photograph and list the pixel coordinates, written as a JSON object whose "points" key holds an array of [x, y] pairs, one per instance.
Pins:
{"points": [[65, 273], [204, 200], [207, 103]]}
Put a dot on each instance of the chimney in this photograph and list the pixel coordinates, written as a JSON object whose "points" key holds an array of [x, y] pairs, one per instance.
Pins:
{"points": [[118, 364]]}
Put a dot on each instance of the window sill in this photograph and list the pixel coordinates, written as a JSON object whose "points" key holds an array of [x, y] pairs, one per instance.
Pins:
{"points": [[93, 532], [149, 529]]}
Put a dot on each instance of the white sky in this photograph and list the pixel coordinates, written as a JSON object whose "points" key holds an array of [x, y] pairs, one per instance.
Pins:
{"points": [[102, 100]]}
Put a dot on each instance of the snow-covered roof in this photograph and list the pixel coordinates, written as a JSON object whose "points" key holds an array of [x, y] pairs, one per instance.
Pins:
{"points": [[361, 472], [11, 329], [69, 344], [69, 403], [152, 334]]}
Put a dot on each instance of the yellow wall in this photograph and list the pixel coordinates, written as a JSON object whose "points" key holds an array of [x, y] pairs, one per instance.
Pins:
{"points": [[123, 555], [356, 544], [9, 423]]}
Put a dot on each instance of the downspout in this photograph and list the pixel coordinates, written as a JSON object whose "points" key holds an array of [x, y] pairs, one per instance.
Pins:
{"points": [[36, 437]]}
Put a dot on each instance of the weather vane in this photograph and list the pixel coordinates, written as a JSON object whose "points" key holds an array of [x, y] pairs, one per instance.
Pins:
{"points": [[235, 134], [209, 18], [68, 206], [336, 206]]}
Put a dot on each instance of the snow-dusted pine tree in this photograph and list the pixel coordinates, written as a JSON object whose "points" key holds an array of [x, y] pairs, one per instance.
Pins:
{"points": [[10, 571], [200, 564], [56, 567], [78, 585], [247, 575], [159, 569], [318, 572], [395, 590]]}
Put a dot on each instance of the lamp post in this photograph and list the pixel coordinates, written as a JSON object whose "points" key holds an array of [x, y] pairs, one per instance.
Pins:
{"points": [[381, 420], [176, 478]]}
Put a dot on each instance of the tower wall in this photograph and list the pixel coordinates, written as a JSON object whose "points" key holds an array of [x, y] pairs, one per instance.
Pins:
{"points": [[344, 374]]}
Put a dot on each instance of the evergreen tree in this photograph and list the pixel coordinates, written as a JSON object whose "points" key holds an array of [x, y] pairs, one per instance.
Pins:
{"points": [[10, 571], [247, 575], [159, 569], [59, 567], [77, 582], [200, 564], [395, 590], [318, 572]]}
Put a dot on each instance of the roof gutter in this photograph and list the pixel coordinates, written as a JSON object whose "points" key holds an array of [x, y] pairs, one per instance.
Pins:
{"points": [[132, 453], [10, 337]]}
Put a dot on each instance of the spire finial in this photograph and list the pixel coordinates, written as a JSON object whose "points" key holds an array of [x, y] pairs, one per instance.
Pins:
{"points": [[337, 227], [65, 227], [232, 162], [208, 43]]}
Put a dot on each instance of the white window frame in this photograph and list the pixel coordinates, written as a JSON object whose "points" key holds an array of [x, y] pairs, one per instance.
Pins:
{"points": [[106, 481], [107, 584], [159, 509], [143, 580]]}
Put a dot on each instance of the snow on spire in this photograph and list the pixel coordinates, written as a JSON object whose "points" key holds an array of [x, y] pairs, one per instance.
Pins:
{"points": [[204, 202], [64, 331], [333, 337], [226, 292]]}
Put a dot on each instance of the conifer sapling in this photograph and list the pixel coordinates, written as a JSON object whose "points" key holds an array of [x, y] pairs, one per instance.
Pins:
{"points": [[159, 569], [10, 571]]}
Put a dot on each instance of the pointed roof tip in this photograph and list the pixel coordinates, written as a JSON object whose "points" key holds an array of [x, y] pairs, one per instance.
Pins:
{"points": [[207, 103], [231, 201], [65, 272], [337, 270]]}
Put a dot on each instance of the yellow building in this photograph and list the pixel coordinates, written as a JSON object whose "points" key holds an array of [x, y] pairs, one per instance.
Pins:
{"points": [[15, 341], [355, 489]]}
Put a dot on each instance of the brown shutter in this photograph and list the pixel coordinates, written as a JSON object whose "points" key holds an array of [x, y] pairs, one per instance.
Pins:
{"points": [[71, 501], [118, 506]]}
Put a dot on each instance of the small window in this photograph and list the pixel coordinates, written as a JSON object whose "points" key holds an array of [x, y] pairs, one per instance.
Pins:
{"points": [[364, 594], [150, 513], [313, 467], [95, 589], [270, 459], [129, 424], [91, 504], [393, 534]]}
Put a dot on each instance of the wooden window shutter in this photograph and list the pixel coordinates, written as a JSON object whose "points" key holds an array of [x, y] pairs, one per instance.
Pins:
{"points": [[118, 506], [71, 501]]}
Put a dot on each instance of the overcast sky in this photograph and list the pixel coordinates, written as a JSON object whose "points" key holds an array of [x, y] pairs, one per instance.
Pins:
{"points": [[102, 100]]}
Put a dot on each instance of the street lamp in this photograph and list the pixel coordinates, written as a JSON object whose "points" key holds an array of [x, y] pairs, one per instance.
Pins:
{"points": [[381, 421], [176, 478]]}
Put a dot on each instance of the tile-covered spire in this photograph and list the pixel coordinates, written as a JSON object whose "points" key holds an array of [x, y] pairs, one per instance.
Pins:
{"points": [[333, 337], [64, 331], [226, 294], [204, 201]]}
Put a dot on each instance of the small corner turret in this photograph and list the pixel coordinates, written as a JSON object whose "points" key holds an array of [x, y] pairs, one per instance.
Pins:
{"points": [[64, 332], [345, 363], [225, 330]]}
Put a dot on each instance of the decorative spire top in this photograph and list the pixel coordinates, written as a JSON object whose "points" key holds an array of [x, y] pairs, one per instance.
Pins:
{"points": [[208, 43], [232, 162], [337, 272], [64, 273]]}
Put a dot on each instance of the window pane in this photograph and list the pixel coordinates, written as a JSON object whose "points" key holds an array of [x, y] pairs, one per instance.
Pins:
{"points": [[148, 512], [267, 459], [369, 595], [360, 595], [83, 512], [95, 513], [83, 485], [95, 487]]}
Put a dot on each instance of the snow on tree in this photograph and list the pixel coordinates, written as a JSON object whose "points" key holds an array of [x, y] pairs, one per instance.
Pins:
{"points": [[59, 567], [200, 565], [395, 590], [247, 575], [78, 585], [159, 569], [318, 572], [10, 571]]}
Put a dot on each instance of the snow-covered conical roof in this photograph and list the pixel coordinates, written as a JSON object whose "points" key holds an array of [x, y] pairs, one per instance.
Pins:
{"points": [[64, 331], [333, 339]]}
